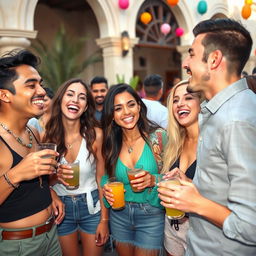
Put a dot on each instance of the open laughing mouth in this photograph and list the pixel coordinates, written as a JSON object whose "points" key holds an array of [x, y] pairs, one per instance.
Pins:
{"points": [[73, 108], [183, 113], [39, 102]]}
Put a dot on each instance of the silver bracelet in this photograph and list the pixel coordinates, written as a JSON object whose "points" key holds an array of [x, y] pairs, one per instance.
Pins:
{"points": [[9, 182]]}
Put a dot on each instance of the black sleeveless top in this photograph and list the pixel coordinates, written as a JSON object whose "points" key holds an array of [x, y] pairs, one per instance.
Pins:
{"points": [[190, 173], [29, 198]]}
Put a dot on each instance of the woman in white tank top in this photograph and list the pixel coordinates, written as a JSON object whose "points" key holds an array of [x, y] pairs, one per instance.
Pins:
{"points": [[73, 128]]}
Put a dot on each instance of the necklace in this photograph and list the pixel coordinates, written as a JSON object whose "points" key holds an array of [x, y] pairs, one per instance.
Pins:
{"points": [[19, 139], [69, 146], [129, 146]]}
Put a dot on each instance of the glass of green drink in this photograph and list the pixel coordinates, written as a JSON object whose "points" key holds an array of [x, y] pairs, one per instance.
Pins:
{"points": [[73, 182]]}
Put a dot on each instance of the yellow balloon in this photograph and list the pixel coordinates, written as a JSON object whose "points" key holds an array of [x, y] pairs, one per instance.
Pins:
{"points": [[145, 17], [246, 11], [248, 1]]}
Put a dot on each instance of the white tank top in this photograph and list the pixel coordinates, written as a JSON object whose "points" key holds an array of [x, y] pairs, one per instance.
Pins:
{"points": [[87, 179]]}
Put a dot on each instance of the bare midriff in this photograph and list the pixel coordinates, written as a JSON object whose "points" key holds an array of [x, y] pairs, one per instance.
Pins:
{"points": [[33, 220]]}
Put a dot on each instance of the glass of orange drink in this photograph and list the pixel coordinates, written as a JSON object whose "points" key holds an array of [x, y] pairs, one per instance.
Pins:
{"points": [[118, 193], [172, 213]]}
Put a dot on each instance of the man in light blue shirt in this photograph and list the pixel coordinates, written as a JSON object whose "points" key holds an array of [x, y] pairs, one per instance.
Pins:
{"points": [[222, 200]]}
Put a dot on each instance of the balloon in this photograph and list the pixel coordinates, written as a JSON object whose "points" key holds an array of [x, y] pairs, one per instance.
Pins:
{"points": [[248, 1], [202, 7], [123, 4], [145, 17], [172, 2], [165, 28], [246, 11], [179, 32]]}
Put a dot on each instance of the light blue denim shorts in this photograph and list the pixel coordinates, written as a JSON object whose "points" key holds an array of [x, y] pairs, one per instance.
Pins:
{"points": [[77, 216], [139, 224]]}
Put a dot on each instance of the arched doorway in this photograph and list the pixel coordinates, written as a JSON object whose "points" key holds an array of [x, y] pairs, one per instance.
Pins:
{"points": [[156, 52], [79, 21]]}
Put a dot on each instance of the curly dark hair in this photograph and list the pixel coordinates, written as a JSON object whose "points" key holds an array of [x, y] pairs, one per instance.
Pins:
{"points": [[9, 61], [113, 134], [55, 132]]}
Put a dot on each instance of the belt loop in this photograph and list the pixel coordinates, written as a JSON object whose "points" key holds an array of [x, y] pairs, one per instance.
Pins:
{"points": [[1, 236], [34, 232]]}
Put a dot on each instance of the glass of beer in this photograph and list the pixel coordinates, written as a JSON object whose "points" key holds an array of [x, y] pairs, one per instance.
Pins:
{"points": [[131, 172], [170, 212], [118, 193], [73, 183]]}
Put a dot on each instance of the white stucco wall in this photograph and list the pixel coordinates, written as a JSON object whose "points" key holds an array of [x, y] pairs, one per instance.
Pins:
{"points": [[19, 20]]}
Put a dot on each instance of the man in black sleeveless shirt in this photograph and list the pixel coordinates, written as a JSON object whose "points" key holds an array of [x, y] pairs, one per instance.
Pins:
{"points": [[26, 201]]}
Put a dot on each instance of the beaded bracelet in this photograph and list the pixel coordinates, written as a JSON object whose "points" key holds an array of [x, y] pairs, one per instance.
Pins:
{"points": [[9, 182]]}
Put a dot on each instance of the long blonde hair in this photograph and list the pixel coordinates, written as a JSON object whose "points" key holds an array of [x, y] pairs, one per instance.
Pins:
{"points": [[176, 133]]}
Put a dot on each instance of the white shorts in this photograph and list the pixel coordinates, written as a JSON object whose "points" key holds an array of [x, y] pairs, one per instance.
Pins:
{"points": [[175, 240]]}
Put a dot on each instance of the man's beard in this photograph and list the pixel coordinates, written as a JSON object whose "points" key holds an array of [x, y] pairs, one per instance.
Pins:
{"points": [[100, 102]]}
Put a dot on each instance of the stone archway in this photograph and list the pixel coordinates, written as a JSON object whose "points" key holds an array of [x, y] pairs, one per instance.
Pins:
{"points": [[16, 24]]}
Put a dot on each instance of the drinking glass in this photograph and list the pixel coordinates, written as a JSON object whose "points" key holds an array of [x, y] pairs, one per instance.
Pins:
{"points": [[42, 146], [118, 193], [131, 172], [73, 183], [172, 213]]}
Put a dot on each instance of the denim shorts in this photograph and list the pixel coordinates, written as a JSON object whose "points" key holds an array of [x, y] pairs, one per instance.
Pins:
{"points": [[77, 216], [139, 224]]}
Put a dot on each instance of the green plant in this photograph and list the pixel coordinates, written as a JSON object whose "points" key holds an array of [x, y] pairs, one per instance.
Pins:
{"points": [[133, 80], [62, 60]]}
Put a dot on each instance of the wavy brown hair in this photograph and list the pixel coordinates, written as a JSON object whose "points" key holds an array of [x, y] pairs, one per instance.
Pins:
{"points": [[54, 130], [113, 134]]}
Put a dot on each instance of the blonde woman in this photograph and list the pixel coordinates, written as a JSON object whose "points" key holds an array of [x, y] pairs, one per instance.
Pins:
{"points": [[180, 155]]}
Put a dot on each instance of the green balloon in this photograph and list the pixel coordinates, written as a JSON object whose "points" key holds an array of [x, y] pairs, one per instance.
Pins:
{"points": [[202, 7]]}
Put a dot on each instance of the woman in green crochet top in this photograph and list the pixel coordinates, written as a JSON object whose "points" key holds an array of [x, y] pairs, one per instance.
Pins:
{"points": [[131, 140]]}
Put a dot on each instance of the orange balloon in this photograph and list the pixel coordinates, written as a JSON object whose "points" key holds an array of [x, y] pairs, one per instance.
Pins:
{"points": [[145, 17], [172, 2], [246, 11]]}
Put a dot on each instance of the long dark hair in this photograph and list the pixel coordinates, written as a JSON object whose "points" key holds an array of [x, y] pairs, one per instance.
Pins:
{"points": [[54, 128], [113, 134]]}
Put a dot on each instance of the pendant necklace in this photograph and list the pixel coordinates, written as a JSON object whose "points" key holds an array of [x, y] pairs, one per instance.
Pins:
{"points": [[19, 139], [129, 146], [70, 145]]}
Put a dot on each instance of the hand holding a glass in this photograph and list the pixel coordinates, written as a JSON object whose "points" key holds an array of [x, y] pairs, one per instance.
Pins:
{"points": [[139, 178], [48, 154], [178, 196], [114, 193], [35, 164], [69, 173]]}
